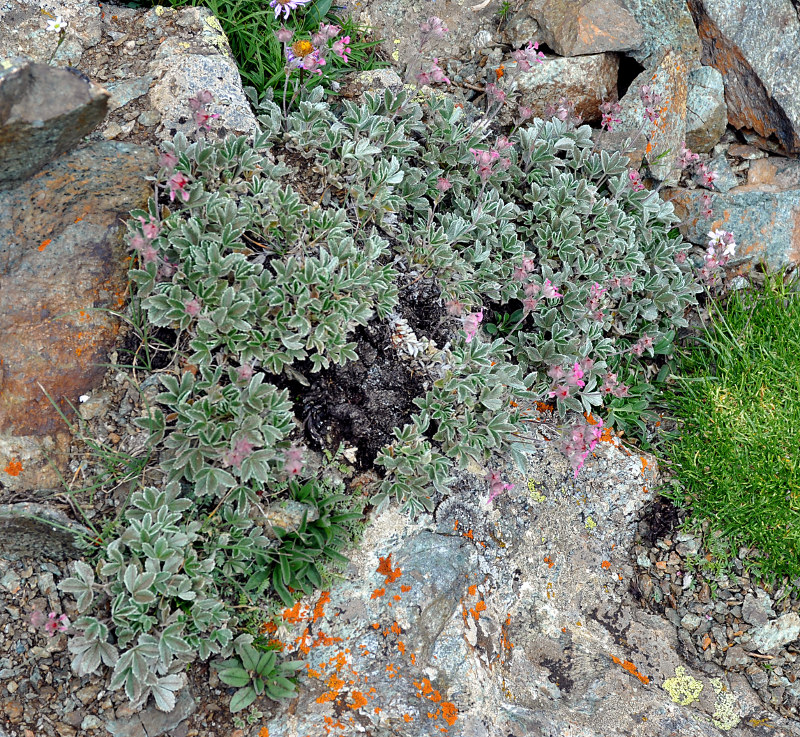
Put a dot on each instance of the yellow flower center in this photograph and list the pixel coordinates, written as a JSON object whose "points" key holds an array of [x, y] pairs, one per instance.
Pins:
{"points": [[302, 48]]}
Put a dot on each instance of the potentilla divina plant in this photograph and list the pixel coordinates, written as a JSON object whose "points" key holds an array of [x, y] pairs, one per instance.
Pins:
{"points": [[265, 288]]}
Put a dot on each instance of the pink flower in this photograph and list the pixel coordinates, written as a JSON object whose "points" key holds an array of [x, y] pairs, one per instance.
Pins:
{"points": [[559, 392], [503, 143], [37, 618], [286, 6], [610, 111], [340, 47], [284, 34], [433, 27], [636, 180], [138, 243], [496, 485], [454, 307], [235, 457], [293, 460], [443, 184], [148, 255], [471, 322], [244, 372], [549, 291], [575, 376], [528, 56], [532, 289], [192, 307], [150, 228], [313, 61], [529, 304], [525, 112], [201, 118], [167, 160], [328, 31], [520, 274], [687, 158], [556, 373], [707, 210], [177, 183], [626, 281], [202, 99], [493, 91], [56, 623]]}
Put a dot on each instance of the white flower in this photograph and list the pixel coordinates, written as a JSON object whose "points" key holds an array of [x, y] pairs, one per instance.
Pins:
{"points": [[730, 249], [56, 25], [716, 237], [83, 398]]}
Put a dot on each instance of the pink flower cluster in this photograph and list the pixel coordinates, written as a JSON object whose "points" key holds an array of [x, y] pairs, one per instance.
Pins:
{"points": [[487, 160], [434, 74], [612, 386], [293, 461], [563, 111], [568, 379], [496, 485], [433, 27], [527, 57], [142, 244], [595, 300], [177, 184], [235, 457], [610, 111], [198, 105], [471, 322], [721, 246], [52, 622], [636, 180], [701, 173], [580, 441], [651, 102], [645, 343]]}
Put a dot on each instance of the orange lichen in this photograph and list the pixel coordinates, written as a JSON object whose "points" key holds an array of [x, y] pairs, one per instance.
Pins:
{"points": [[14, 467], [377, 593], [359, 700], [385, 569], [263, 732], [468, 534], [644, 464], [319, 611], [405, 589], [45, 244], [544, 407], [476, 611], [407, 718], [549, 562], [500, 71], [449, 712], [293, 615], [606, 564], [473, 589], [631, 668]]}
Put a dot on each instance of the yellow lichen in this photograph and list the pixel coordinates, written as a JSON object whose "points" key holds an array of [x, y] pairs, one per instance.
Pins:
{"points": [[590, 524], [536, 496], [725, 716], [683, 689]]}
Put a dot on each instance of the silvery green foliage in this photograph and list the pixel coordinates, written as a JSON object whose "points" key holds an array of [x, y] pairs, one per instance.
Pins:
{"points": [[256, 280]]}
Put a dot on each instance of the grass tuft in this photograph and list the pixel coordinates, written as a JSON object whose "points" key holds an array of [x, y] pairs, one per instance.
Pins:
{"points": [[736, 453]]}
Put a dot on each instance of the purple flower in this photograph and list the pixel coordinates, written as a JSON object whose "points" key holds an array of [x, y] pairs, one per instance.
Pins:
{"points": [[286, 6], [284, 34]]}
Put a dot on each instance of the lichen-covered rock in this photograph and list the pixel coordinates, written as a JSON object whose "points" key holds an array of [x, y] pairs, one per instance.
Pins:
{"points": [[661, 143], [754, 45], [706, 112], [510, 619], [765, 222], [774, 173], [62, 268], [667, 25], [781, 631], [573, 28], [44, 111]]}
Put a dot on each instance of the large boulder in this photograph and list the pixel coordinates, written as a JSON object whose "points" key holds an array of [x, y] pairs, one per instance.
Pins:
{"points": [[576, 27], [584, 80], [506, 620], [706, 112], [764, 219], [754, 44], [668, 26]]}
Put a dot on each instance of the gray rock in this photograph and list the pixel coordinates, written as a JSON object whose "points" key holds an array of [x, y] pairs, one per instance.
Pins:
{"points": [[157, 722], [736, 656], [667, 25], [726, 178], [584, 80], [754, 45], [44, 111], [687, 544], [706, 111], [774, 173], [30, 529], [757, 610], [130, 89], [522, 29], [691, 622], [777, 633], [766, 223], [573, 28]]}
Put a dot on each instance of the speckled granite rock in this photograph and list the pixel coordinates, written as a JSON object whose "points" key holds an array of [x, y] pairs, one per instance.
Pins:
{"points": [[507, 620], [766, 223], [667, 25], [754, 44]]}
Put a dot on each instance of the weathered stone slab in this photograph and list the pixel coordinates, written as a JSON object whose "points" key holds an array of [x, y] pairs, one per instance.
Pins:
{"points": [[34, 530], [584, 80], [706, 111], [774, 172], [766, 224], [754, 44], [44, 111], [576, 27], [62, 266]]}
